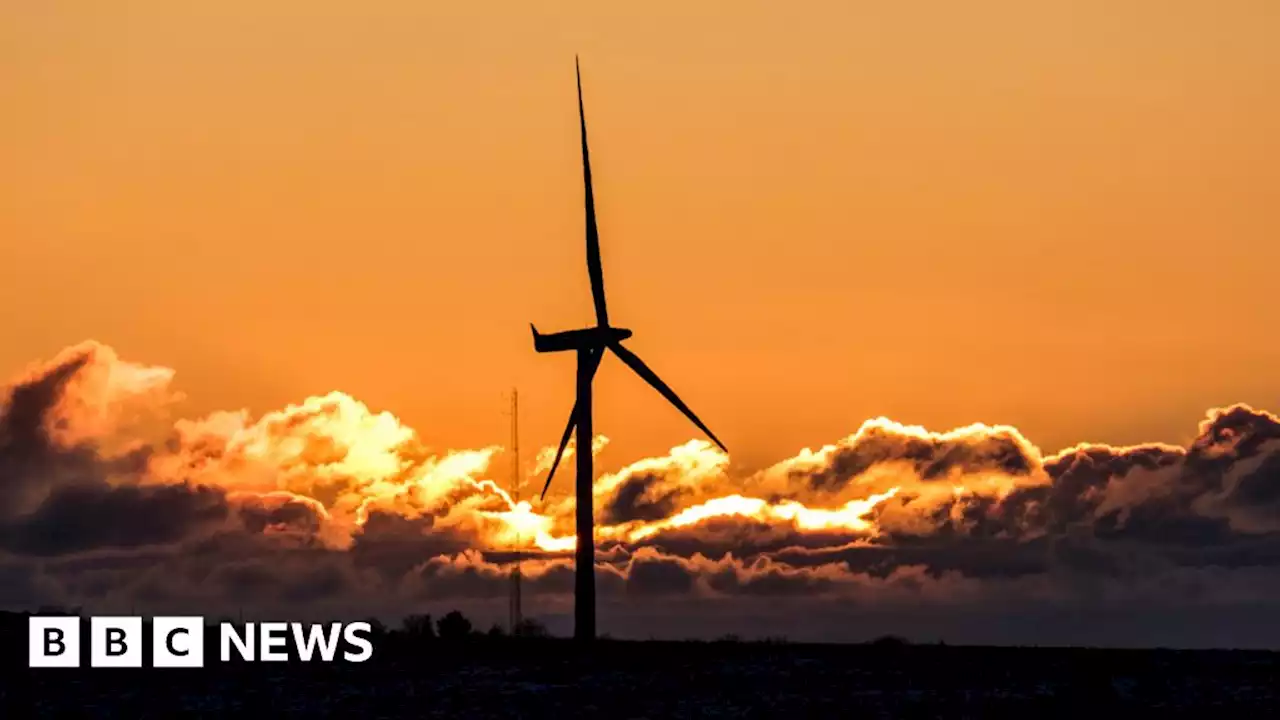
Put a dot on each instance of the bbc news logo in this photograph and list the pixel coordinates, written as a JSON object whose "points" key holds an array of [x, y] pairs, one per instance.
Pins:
{"points": [[177, 642]]}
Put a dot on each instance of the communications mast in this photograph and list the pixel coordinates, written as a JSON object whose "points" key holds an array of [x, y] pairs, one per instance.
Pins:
{"points": [[516, 612]]}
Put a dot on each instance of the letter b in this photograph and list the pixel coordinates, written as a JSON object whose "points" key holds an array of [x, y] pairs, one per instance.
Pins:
{"points": [[53, 642], [115, 642]]}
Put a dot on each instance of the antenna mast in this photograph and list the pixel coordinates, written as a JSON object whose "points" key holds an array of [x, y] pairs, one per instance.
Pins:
{"points": [[515, 609]]}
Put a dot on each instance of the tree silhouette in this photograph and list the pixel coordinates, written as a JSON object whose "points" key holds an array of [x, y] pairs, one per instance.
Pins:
{"points": [[889, 642], [418, 626], [530, 628], [453, 626]]}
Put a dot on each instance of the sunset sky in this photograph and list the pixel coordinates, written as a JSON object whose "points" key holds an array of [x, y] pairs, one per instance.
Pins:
{"points": [[1056, 215]]}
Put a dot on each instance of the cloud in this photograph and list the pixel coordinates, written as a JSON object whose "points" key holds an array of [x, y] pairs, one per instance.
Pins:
{"points": [[326, 506], [932, 457], [85, 517]]}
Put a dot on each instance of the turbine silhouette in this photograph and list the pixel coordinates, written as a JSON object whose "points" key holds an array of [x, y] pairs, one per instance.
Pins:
{"points": [[590, 345]]}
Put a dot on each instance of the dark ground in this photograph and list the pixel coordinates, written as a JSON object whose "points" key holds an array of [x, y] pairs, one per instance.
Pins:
{"points": [[619, 680]]}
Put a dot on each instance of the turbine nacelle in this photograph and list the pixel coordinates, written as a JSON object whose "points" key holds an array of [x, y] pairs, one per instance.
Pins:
{"points": [[592, 338]]}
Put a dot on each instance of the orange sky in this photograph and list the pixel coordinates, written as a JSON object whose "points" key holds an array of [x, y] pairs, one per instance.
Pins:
{"points": [[1058, 215]]}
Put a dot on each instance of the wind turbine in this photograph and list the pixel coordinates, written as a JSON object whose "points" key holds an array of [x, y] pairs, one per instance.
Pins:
{"points": [[590, 344]]}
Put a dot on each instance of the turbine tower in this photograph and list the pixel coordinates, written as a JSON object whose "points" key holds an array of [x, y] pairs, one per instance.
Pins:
{"points": [[590, 344]]}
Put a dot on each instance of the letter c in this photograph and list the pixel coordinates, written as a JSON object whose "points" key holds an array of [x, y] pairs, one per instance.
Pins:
{"points": [[168, 642]]}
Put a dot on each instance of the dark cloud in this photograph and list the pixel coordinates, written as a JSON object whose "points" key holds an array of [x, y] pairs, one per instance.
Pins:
{"points": [[975, 558], [1255, 498], [1155, 528], [259, 515], [641, 496], [31, 464], [392, 545], [650, 574], [89, 517], [55, 497], [933, 457]]}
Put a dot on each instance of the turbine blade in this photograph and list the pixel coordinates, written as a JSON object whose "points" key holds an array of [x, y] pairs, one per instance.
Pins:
{"points": [[635, 363], [594, 268], [596, 357], [564, 442]]}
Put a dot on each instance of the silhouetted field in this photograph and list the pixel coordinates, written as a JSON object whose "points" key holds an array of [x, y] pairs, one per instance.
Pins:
{"points": [[471, 675], [677, 680]]}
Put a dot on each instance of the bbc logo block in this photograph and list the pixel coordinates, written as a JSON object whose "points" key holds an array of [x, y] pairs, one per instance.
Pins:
{"points": [[53, 642], [116, 642], [178, 642]]}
